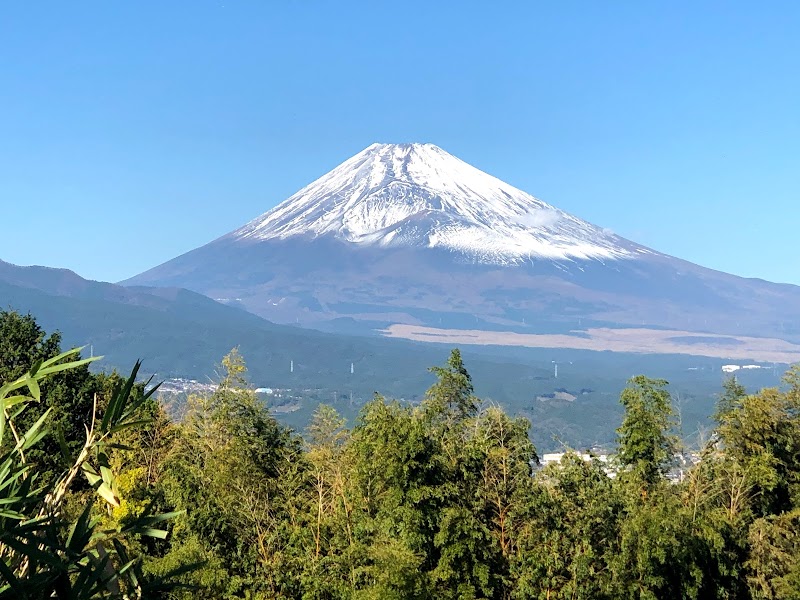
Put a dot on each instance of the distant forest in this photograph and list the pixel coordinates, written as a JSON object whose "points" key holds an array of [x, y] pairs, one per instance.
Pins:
{"points": [[103, 495]]}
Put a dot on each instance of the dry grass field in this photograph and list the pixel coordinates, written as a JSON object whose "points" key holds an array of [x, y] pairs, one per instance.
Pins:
{"points": [[638, 340]]}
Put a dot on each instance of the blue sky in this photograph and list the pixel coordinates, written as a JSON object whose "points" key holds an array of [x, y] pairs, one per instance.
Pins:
{"points": [[133, 132]]}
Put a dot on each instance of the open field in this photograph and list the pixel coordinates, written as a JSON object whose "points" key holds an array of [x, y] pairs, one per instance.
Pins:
{"points": [[637, 340]]}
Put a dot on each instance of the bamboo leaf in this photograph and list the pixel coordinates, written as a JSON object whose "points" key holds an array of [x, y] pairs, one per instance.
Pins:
{"points": [[91, 474], [35, 368], [118, 446], [152, 519], [11, 578], [128, 425], [160, 534], [60, 357], [119, 399], [36, 393], [62, 444], [107, 475], [107, 494], [35, 433], [80, 532], [66, 366], [13, 400]]}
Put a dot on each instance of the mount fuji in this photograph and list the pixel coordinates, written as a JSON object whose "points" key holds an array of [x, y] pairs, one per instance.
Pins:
{"points": [[409, 235]]}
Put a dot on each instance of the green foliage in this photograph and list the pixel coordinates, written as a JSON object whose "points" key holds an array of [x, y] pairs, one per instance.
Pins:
{"points": [[730, 399], [45, 553], [570, 533], [438, 499], [646, 447], [774, 562], [223, 469], [68, 395], [453, 392], [762, 435]]}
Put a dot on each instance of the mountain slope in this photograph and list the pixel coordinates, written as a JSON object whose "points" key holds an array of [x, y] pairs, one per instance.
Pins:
{"points": [[410, 234], [181, 333]]}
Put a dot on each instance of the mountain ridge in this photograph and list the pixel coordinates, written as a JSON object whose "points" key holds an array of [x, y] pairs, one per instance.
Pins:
{"points": [[395, 234]]}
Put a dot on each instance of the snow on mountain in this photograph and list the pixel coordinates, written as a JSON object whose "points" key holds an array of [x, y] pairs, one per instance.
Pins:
{"points": [[408, 234], [419, 195]]}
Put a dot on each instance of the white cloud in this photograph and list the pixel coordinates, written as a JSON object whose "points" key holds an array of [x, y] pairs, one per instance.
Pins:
{"points": [[543, 217]]}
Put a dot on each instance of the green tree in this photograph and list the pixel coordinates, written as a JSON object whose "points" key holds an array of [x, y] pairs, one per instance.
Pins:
{"points": [[508, 456], [658, 555], [483, 460], [468, 558], [223, 471], [325, 531], [715, 499], [761, 434], [453, 392], [397, 472], [773, 567], [646, 446], [568, 541], [730, 399], [22, 343]]}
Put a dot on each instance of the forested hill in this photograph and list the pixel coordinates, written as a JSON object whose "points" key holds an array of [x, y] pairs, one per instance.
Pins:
{"points": [[184, 334], [440, 500]]}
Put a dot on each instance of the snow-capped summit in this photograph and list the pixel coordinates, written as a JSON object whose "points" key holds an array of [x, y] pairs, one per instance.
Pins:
{"points": [[420, 195]]}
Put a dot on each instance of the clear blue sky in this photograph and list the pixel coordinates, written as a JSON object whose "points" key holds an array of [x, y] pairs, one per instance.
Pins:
{"points": [[132, 132]]}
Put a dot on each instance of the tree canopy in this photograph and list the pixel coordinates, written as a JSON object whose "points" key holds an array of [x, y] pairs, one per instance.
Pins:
{"points": [[444, 498]]}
